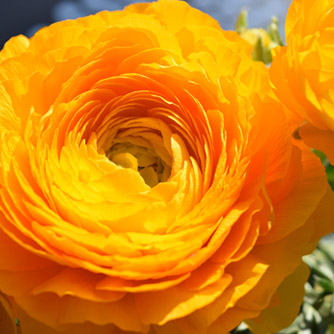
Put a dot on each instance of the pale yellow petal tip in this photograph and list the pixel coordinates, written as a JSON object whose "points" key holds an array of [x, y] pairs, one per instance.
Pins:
{"points": [[14, 47]]}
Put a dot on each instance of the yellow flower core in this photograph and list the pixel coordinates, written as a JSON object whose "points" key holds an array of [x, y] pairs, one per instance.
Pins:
{"points": [[140, 157]]}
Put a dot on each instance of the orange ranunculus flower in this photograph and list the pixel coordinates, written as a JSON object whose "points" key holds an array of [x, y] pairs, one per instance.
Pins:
{"points": [[303, 71], [149, 183]]}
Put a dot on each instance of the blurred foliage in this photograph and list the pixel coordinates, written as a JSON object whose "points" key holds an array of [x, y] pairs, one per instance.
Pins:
{"points": [[317, 311], [261, 40]]}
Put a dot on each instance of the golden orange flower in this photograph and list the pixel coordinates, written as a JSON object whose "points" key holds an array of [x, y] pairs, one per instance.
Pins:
{"points": [[149, 183], [302, 72]]}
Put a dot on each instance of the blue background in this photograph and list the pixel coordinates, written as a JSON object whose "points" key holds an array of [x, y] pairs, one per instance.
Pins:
{"points": [[26, 16]]}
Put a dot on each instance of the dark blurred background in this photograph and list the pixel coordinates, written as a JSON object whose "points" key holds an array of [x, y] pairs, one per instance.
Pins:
{"points": [[27, 16], [18, 16]]}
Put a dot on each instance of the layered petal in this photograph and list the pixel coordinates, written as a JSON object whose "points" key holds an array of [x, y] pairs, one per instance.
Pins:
{"points": [[302, 72]]}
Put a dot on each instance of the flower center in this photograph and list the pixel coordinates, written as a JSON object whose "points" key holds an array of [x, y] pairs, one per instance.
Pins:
{"points": [[152, 168]]}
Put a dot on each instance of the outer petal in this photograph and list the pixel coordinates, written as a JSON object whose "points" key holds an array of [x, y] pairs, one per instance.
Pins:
{"points": [[7, 318], [31, 326], [14, 47], [319, 139], [276, 317]]}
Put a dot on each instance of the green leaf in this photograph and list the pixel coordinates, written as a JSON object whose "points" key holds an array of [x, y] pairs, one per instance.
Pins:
{"points": [[326, 284], [319, 268], [327, 248]]}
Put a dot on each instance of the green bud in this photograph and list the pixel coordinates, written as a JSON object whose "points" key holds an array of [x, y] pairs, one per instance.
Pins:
{"points": [[261, 40], [274, 33], [241, 23]]}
